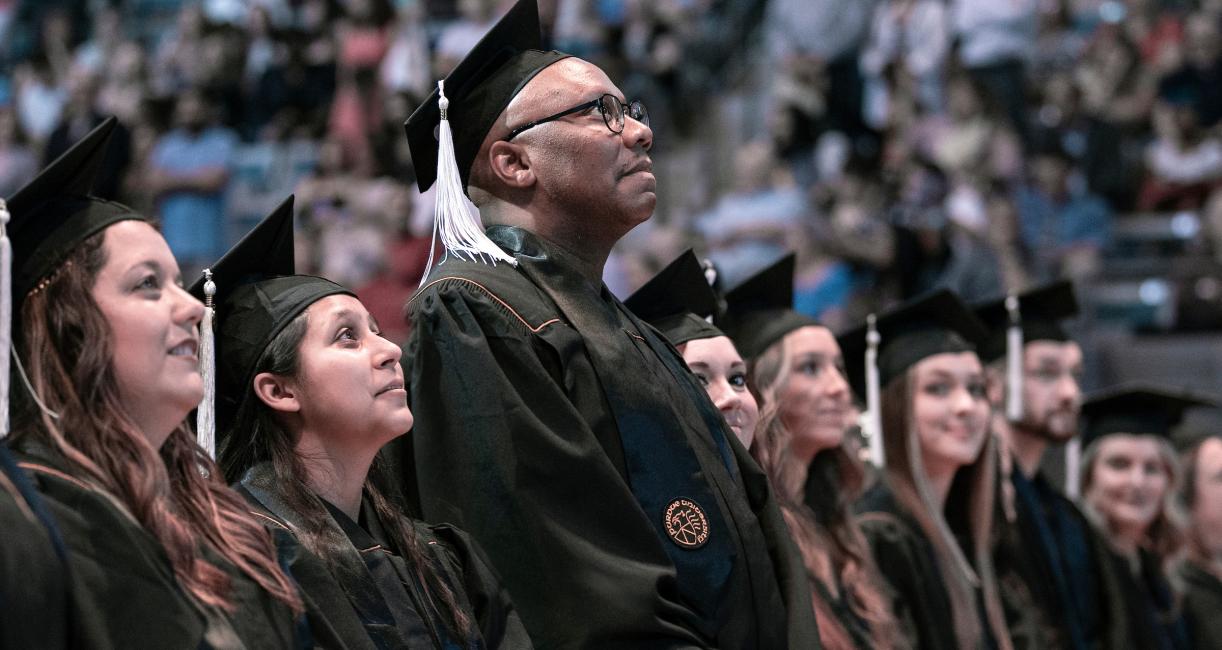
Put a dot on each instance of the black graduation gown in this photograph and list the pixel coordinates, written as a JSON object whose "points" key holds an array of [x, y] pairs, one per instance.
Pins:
{"points": [[33, 566], [906, 560], [124, 593], [558, 429], [1052, 553], [1202, 607], [367, 596], [1153, 620]]}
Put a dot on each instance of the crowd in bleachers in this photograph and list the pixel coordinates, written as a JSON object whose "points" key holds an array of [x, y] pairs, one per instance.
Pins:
{"points": [[899, 145]]}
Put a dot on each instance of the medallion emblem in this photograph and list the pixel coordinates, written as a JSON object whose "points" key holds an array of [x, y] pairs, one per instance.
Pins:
{"points": [[686, 523]]}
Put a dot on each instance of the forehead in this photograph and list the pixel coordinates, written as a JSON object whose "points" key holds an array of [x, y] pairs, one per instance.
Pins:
{"points": [[1138, 447], [953, 363], [560, 85], [812, 339], [713, 351], [1209, 458], [331, 307], [1067, 352], [132, 242]]}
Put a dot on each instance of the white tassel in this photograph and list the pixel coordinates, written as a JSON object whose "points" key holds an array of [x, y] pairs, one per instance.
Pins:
{"points": [[6, 315], [1014, 362], [1073, 460], [872, 423], [454, 218], [205, 415]]}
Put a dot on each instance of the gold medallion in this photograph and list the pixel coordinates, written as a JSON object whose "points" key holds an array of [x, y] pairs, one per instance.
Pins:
{"points": [[686, 523]]}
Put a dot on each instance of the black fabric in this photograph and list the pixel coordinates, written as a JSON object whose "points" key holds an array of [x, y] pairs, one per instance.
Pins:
{"points": [[905, 559], [1202, 606], [479, 89], [1138, 409], [519, 439], [52, 214], [1042, 311], [935, 323], [366, 594], [257, 295], [759, 310], [34, 574], [1152, 619], [677, 301], [123, 592]]}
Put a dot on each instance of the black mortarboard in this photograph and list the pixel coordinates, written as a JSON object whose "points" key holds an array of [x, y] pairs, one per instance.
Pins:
{"points": [[257, 295], [479, 88], [1138, 409], [677, 301], [55, 212], [1042, 311], [933, 324], [759, 310]]}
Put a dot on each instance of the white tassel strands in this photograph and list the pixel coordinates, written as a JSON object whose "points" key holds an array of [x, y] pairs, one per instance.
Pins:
{"points": [[205, 415]]}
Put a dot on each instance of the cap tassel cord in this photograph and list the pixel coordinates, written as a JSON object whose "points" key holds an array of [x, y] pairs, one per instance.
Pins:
{"points": [[1014, 361], [872, 424], [6, 315], [1073, 460], [460, 229], [205, 415]]}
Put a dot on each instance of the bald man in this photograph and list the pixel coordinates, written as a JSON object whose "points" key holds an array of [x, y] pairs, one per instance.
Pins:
{"points": [[562, 432]]}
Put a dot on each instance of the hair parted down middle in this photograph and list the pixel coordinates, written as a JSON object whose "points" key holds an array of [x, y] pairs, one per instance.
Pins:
{"points": [[176, 492], [833, 549]]}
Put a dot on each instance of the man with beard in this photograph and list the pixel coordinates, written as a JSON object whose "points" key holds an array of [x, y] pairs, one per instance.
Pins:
{"points": [[1055, 589], [558, 429]]}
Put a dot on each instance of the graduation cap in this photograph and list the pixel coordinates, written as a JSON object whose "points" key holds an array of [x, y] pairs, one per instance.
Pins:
{"points": [[677, 301], [1015, 320], [1137, 409], [43, 223], [889, 344], [759, 310], [256, 296], [461, 112]]}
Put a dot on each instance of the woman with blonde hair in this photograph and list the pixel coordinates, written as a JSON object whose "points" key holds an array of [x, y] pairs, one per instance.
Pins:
{"points": [[928, 518], [1129, 477], [160, 551], [796, 372]]}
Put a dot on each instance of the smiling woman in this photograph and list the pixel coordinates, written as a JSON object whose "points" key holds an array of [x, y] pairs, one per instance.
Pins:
{"points": [[308, 391], [160, 552]]}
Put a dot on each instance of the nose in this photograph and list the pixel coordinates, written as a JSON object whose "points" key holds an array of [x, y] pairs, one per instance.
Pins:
{"points": [[837, 386], [1068, 389], [636, 134], [962, 401], [724, 397], [386, 353], [187, 309]]}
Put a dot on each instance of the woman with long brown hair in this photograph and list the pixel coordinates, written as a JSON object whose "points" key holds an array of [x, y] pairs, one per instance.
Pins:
{"points": [[796, 372], [928, 519], [1129, 478], [161, 552], [308, 391]]}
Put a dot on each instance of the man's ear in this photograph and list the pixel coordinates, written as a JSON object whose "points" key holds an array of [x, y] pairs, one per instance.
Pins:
{"points": [[995, 385], [510, 164], [276, 392]]}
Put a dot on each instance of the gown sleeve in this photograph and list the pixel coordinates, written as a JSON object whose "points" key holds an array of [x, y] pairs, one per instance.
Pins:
{"points": [[923, 611], [502, 451]]}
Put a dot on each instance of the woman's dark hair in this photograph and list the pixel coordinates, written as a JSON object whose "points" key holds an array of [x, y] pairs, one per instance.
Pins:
{"points": [[258, 436], [174, 492]]}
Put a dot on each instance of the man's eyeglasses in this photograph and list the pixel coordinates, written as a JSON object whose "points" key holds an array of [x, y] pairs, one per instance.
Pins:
{"points": [[612, 109]]}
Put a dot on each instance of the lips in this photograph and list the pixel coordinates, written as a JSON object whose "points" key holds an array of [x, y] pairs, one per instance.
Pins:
{"points": [[187, 348], [643, 166], [394, 385]]}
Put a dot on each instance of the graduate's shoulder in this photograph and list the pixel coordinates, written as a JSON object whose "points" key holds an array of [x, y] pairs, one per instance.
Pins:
{"points": [[498, 291]]}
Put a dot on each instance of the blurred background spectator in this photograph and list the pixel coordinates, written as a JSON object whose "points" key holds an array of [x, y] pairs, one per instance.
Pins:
{"points": [[896, 145]]}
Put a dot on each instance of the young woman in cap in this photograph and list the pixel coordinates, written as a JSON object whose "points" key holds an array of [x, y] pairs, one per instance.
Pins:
{"points": [[160, 551], [308, 391], [928, 519], [797, 374], [1129, 474]]}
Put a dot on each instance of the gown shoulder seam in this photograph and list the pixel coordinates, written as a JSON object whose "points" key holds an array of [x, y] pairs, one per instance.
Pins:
{"points": [[535, 329]]}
